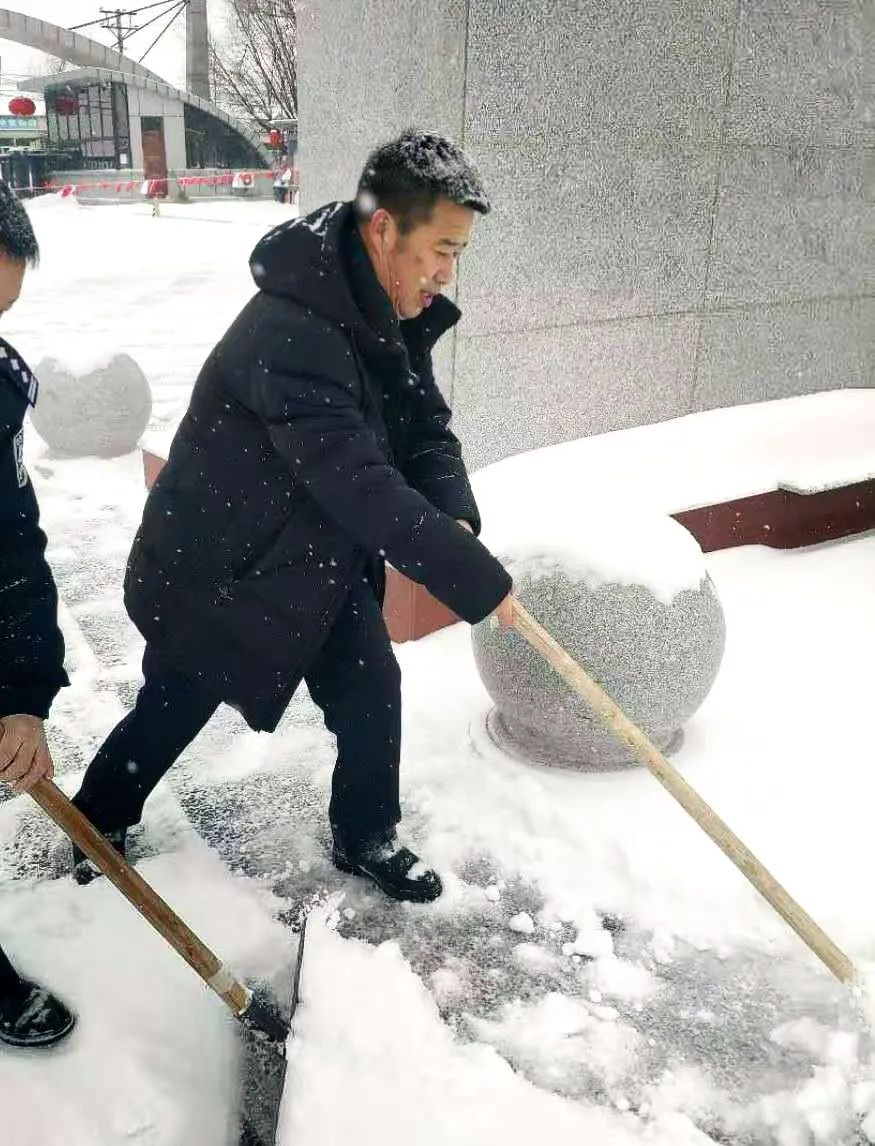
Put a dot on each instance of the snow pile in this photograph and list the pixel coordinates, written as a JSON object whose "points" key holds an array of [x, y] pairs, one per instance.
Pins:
{"points": [[700, 459], [575, 1034], [86, 357], [615, 543], [371, 1062], [821, 475], [523, 923], [153, 1058]]}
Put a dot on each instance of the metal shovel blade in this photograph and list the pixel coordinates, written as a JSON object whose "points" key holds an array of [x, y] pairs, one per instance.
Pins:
{"points": [[263, 1061]]}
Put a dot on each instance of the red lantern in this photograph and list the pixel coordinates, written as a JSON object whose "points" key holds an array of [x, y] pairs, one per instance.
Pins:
{"points": [[67, 104], [22, 106], [276, 138]]}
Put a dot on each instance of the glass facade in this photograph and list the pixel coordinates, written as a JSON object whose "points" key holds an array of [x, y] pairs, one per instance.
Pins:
{"points": [[211, 143], [91, 124]]}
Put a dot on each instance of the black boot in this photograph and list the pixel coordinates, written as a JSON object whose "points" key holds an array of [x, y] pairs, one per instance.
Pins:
{"points": [[393, 868], [31, 1017], [84, 871]]}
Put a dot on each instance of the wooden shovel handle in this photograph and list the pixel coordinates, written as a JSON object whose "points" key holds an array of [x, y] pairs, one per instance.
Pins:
{"points": [[707, 819], [144, 898]]}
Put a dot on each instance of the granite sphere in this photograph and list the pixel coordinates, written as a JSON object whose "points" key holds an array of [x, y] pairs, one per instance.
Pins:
{"points": [[655, 647], [101, 410]]}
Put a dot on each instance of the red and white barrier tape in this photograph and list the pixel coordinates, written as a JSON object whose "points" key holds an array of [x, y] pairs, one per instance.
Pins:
{"points": [[150, 187]]}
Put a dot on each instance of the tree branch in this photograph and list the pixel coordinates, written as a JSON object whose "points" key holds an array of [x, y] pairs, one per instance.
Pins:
{"points": [[255, 68]]}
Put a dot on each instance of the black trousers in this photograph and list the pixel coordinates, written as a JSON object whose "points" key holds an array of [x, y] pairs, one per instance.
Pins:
{"points": [[8, 975], [354, 679]]}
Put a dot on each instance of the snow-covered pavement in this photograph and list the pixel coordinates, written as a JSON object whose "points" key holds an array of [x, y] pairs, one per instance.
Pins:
{"points": [[596, 972]]}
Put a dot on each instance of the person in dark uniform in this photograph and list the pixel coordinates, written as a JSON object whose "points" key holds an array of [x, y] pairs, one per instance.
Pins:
{"points": [[31, 646], [316, 446]]}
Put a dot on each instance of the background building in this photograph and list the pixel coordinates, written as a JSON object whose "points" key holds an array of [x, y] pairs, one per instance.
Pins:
{"points": [[682, 191], [22, 131], [113, 123], [24, 160], [109, 121]]}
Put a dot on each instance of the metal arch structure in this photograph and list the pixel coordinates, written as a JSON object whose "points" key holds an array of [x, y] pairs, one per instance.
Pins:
{"points": [[87, 53], [66, 45]]}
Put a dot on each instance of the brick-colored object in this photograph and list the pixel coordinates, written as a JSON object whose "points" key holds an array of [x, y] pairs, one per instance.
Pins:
{"points": [[780, 518], [783, 519], [410, 611], [152, 467]]}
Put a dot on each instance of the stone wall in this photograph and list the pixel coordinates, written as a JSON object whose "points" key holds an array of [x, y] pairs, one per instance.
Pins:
{"points": [[682, 192]]}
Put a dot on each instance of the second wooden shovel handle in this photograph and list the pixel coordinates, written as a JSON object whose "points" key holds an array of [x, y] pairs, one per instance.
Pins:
{"points": [[707, 819], [144, 898]]}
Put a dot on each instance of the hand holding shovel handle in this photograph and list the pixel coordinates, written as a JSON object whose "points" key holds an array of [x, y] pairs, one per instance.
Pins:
{"points": [[147, 901]]}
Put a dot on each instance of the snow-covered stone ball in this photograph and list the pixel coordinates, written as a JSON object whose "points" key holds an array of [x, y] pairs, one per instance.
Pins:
{"points": [[95, 405], [626, 593]]}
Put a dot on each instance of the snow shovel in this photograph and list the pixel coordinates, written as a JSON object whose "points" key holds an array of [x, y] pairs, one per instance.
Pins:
{"points": [[264, 1029], [707, 819]]}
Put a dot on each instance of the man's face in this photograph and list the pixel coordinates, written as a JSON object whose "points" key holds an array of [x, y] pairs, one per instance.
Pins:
{"points": [[11, 278], [415, 267]]}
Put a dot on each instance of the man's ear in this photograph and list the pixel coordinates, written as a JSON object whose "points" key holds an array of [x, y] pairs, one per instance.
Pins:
{"points": [[382, 228]]}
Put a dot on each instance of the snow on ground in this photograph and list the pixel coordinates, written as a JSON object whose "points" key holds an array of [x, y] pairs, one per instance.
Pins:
{"points": [[425, 1086], [769, 748], [596, 972], [154, 1056], [162, 290]]}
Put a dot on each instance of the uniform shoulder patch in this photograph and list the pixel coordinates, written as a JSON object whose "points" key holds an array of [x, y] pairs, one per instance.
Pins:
{"points": [[17, 371], [18, 450]]}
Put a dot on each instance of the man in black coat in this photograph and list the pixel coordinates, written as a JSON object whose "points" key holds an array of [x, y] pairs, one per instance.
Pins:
{"points": [[31, 646], [315, 446]]}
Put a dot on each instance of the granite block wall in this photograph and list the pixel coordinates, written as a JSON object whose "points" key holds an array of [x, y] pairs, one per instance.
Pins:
{"points": [[683, 195]]}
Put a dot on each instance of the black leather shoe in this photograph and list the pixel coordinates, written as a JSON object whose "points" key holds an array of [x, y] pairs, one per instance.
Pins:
{"points": [[32, 1017], [393, 868], [84, 871]]}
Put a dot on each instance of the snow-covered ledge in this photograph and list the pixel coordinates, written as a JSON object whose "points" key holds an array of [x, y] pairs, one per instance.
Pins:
{"points": [[791, 472], [628, 595], [787, 473]]}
